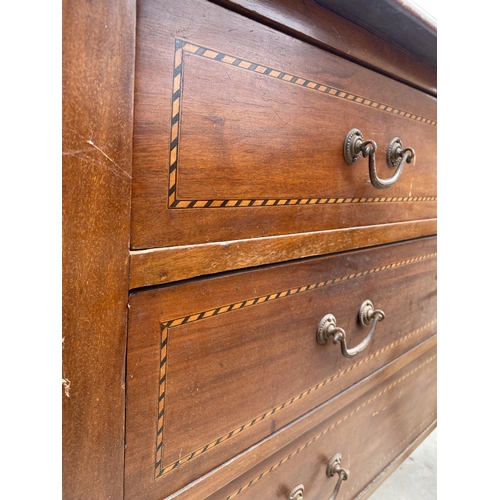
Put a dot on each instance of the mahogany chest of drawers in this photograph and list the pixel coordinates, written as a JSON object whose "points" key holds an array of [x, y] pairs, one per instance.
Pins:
{"points": [[250, 251]]}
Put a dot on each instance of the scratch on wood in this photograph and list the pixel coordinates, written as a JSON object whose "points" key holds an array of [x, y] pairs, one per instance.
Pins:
{"points": [[79, 153], [338, 36], [227, 74], [67, 384], [115, 164], [411, 185], [285, 123]]}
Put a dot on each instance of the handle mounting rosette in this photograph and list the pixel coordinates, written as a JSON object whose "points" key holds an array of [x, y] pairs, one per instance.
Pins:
{"points": [[328, 329], [397, 156]]}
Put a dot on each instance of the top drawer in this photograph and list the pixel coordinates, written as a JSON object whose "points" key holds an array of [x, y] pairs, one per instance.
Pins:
{"points": [[239, 133]]}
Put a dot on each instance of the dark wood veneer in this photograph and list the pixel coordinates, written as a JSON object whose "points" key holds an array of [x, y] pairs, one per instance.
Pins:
{"points": [[165, 265], [222, 363], [402, 23], [98, 71], [226, 149], [369, 432], [197, 151], [309, 21]]}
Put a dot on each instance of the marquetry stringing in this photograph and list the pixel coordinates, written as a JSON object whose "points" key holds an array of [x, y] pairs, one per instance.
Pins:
{"points": [[328, 429], [165, 328], [182, 46]]}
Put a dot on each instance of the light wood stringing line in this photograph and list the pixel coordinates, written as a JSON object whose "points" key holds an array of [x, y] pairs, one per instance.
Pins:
{"points": [[159, 470], [328, 429], [202, 449], [285, 293], [182, 46]]}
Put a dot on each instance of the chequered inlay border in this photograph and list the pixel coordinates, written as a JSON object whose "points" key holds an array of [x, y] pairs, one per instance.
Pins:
{"points": [[182, 46], [328, 429], [165, 329], [285, 293]]}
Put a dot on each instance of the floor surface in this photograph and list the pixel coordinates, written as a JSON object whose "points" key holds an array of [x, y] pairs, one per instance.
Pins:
{"points": [[415, 479]]}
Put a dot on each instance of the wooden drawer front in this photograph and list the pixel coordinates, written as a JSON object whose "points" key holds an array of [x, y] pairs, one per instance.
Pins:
{"points": [[370, 433], [216, 365], [239, 133]]}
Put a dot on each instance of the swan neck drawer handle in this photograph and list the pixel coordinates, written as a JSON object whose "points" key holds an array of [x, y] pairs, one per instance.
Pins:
{"points": [[328, 329], [332, 468], [397, 156]]}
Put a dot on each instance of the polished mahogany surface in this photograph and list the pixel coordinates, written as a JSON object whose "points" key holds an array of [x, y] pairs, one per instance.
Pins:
{"points": [[97, 91], [239, 133], [216, 365], [210, 221]]}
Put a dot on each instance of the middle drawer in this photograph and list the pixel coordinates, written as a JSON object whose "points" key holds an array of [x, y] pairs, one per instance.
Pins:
{"points": [[215, 365]]}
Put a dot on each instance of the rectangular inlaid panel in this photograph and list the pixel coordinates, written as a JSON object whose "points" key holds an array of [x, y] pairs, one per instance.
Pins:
{"points": [[239, 133], [369, 434], [216, 365]]}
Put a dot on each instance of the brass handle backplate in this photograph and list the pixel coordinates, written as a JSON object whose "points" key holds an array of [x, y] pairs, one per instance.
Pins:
{"points": [[327, 329], [335, 468], [397, 156], [297, 493], [332, 468]]}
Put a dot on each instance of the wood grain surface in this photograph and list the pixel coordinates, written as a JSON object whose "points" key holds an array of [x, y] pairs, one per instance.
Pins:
{"points": [[234, 472], [165, 265], [218, 364], [369, 433], [239, 133], [401, 23], [253, 134], [395, 463], [309, 21], [98, 70], [238, 123]]}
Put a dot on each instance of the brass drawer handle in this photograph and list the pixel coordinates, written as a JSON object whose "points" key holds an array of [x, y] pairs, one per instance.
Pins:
{"points": [[332, 468], [327, 329], [355, 146]]}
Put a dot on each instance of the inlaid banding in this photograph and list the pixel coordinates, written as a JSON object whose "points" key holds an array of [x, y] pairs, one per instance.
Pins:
{"points": [[328, 429], [167, 327], [285, 293], [182, 46]]}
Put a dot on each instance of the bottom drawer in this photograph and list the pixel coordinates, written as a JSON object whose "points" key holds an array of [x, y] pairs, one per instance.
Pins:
{"points": [[384, 416]]}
